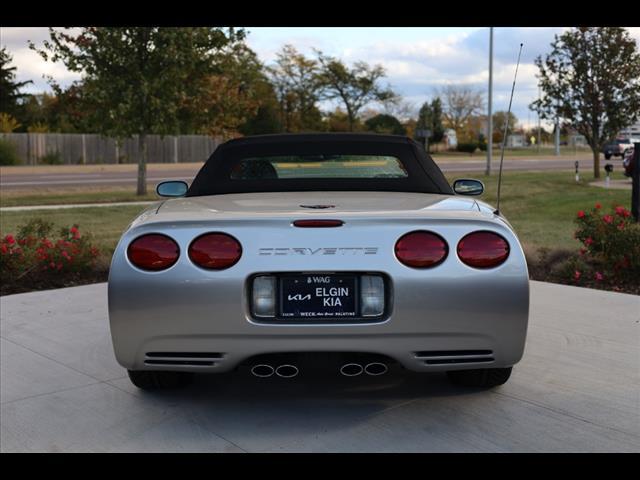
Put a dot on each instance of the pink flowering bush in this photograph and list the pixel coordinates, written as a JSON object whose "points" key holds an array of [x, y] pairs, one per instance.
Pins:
{"points": [[34, 257], [610, 251]]}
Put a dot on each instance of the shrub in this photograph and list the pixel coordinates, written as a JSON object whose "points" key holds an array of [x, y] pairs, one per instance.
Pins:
{"points": [[34, 258], [383, 123], [7, 123], [8, 153], [467, 147], [610, 252], [51, 158], [38, 127]]}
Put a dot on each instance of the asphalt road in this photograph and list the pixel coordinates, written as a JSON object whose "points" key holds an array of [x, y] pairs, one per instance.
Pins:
{"points": [[16, 179], [577, 389]]}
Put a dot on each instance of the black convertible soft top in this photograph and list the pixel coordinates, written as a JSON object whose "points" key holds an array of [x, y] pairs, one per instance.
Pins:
{"points": [[423, 175]]}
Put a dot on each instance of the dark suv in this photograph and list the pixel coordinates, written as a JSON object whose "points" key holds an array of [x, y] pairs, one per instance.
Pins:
{"points": [[627, 163], [617, 148]]}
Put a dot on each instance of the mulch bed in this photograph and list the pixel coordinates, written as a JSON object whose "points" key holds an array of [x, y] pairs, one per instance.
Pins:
{"points": [[10, 287], [552, 267]]}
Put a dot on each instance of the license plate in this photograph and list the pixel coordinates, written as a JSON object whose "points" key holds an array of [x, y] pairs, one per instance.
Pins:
{"points": [[318, 296]]}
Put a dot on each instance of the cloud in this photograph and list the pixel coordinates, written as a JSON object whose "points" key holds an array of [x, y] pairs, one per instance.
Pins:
{"points": [[30, 65]]}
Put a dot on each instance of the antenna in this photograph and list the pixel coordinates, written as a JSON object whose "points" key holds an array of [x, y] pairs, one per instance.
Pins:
{"points": [[506, 128]]}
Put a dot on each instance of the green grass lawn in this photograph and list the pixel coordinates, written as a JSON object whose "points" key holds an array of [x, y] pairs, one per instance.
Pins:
{"points": [[11, 199], [540, 206], [106, 224]]}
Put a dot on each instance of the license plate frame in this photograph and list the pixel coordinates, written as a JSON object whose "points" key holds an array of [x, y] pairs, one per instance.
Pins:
{"points": [[294, 306]]}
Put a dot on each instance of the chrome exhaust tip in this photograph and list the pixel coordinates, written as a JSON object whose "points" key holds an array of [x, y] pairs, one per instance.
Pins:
{"points": [[376, 368], [351, 369], [287, 371], [262, 370]]}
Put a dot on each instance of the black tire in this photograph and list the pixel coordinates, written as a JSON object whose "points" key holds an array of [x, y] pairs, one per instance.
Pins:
{"points": [[152, 380], [607, 156], [482, 377]]}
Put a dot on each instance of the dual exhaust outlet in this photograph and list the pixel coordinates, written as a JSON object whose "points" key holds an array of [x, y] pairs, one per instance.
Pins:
{"points": [[264, 370], [354, 369]]}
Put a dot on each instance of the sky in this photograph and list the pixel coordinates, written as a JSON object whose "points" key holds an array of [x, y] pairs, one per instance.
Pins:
{"points": [[417, 60]]}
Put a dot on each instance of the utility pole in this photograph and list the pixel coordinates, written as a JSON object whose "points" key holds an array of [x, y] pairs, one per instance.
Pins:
{"points": [[487, 170], [539, 120], [557, 131], [557, 136]]}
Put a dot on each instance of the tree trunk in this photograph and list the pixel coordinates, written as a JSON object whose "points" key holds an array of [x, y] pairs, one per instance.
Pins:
{"points": [[596, 163], [142, 164]]}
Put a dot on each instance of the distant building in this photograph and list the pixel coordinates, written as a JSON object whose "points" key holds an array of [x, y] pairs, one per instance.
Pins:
{"points": [[516, 140], [450, 138], [632, 132], [577, 140]]}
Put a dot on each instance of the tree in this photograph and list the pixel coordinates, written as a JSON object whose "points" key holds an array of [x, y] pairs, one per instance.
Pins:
{"points": [[137, 78], [383, 123], [591, 81], [460, 104], [430, 118], [355, 87], [499, 121], [267, 117], [10, 96], [473, 129], [232, 95], [399, 108], [297, 86], [57, 112], [338, 121]]}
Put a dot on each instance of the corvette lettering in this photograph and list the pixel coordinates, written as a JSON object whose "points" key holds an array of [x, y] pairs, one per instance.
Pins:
{"points": [[320, 251]]}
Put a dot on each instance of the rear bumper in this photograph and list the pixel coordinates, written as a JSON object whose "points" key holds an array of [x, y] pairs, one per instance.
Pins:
{"points": [[217, 333], [416, 352]]}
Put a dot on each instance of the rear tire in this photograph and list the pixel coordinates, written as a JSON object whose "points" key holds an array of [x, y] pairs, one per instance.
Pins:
{"points": [[152, 380], [607, 156], [482, 377]]}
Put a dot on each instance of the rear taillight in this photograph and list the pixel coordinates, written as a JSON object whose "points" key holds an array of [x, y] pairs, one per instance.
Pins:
{"points": [[421, 249], [215, 251], [483, 249], [153, 252]]}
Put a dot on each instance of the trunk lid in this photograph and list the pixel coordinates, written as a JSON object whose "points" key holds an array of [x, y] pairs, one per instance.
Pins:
{"points": [[312, 204]]}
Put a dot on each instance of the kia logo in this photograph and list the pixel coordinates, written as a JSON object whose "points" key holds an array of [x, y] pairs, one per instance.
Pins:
{"points": [[299, 297]]}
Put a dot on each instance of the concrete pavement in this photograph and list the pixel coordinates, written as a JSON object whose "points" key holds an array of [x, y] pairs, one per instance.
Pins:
{"points": [[621, 184], [577, 389]]}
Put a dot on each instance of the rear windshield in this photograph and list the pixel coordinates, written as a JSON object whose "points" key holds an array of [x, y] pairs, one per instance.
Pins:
{"points": [[319, 162], [318, 166]]}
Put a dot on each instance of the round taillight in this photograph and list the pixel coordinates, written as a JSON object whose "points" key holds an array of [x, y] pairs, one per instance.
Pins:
{"points": [[153, 252], [215, 251], [483, 249], [421, 249]]}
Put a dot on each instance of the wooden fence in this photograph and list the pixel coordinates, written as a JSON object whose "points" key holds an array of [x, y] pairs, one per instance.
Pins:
{"points": [[71, 148]]}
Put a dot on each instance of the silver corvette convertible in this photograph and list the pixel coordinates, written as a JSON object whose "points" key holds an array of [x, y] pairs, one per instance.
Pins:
{"points": [[337, 252]]}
